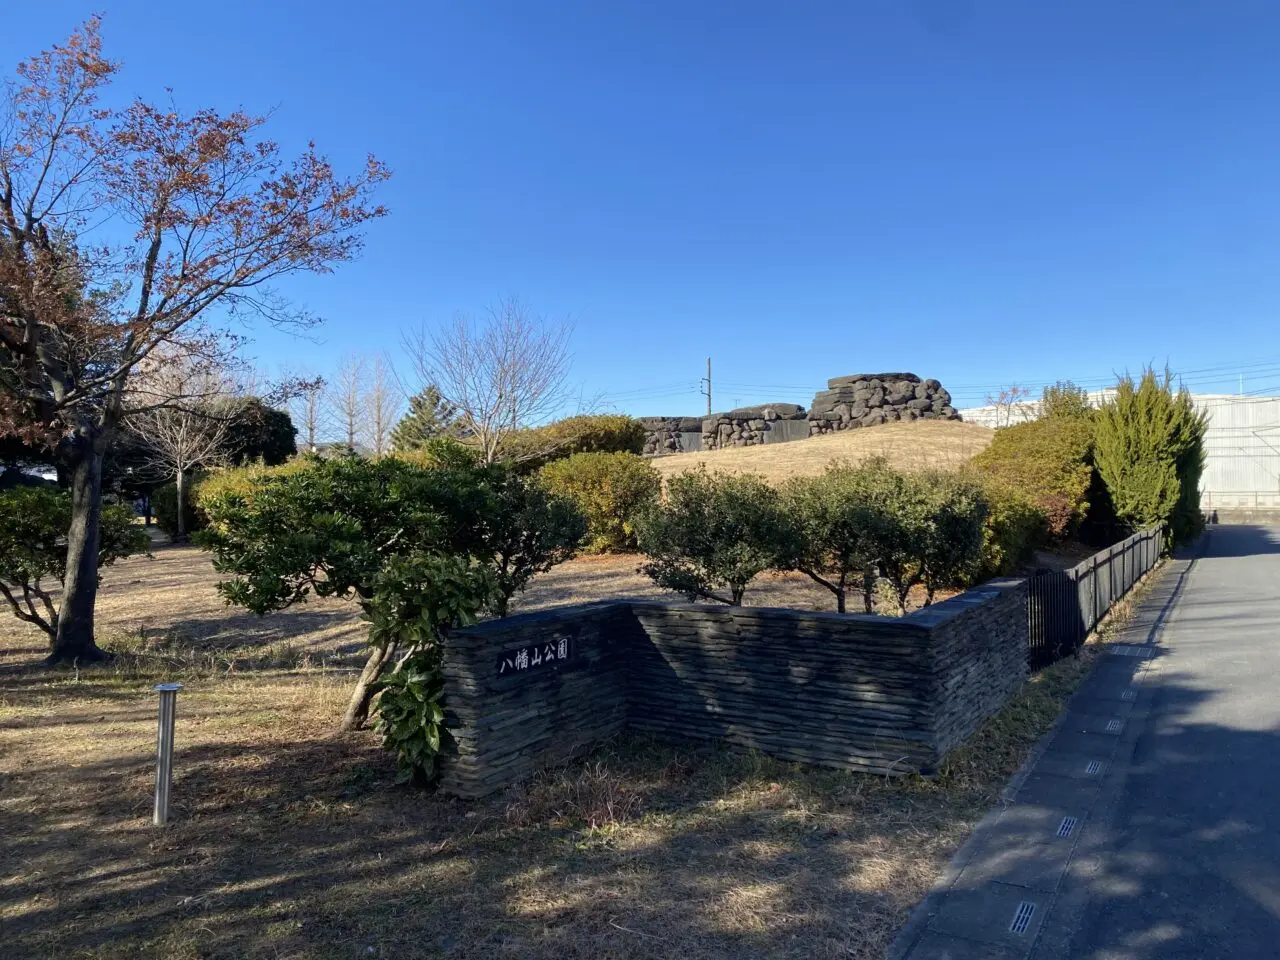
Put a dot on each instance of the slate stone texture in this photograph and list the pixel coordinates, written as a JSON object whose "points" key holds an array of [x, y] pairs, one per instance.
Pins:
{"points": [[856, 692]]}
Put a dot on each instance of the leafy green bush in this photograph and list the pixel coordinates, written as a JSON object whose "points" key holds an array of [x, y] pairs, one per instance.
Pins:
{"points": [[33, 548], [527, 529], [441, 451], [1051, 459], [1014, 528], [610, 489], [923, 528], [833, 531], [1150, 454], [423, 549], [417, 600], [202, 485], [587, 433], [1064, 400], [954, 536], [714, 533], [164, 508]]}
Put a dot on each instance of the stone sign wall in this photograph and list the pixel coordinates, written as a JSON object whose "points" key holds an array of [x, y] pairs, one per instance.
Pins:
{"points": [[860, 400], [850, 691]]}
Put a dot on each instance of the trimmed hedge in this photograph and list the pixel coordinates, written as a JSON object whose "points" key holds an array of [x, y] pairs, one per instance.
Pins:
{"points": [[610, 489]]}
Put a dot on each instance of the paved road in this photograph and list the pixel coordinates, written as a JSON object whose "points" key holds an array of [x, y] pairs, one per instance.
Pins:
{"points": [[1150, 825], [1190, 864]]}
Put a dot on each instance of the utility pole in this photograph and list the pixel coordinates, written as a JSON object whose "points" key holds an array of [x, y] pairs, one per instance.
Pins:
{"points": [[706, 392]]}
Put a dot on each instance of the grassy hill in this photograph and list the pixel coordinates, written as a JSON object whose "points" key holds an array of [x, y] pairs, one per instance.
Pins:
{"points": [[920, 445]]}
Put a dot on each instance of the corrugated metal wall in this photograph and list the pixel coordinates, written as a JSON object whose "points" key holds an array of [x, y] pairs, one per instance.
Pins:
{"points": [[1242, 452]]}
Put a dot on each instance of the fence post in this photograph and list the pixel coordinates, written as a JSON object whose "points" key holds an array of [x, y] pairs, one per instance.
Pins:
{"points": [[1093, 582]]}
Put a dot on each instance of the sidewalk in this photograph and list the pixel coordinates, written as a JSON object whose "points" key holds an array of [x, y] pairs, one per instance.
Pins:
{"points": [[1002, 896]]}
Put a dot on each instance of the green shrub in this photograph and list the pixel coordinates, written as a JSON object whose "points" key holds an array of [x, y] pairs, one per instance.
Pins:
{"points": [[33, 549], [526, 528], [713, 534], [1150, 454], [202, 485], [832, 537], [164, 508], [954, 537], [1064, 400], [922, 528], [1015, 527], [1051, 460], [422, 549], [417, 600], [610, 489], [593, 433]]}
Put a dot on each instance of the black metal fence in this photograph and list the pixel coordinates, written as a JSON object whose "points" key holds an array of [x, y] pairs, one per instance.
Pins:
{"points": [[1063, 606]]}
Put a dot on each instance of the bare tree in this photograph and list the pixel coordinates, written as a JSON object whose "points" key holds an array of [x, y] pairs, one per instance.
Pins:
{"points": [[346, 399], [174, 416], [381, 406], [1011, 401], [504, 372], [306, 406]]}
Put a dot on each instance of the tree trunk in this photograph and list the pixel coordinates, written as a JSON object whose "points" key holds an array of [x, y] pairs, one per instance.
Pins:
{"points": [[840, 600], [358, 709], [180, 484], [80, 591]]}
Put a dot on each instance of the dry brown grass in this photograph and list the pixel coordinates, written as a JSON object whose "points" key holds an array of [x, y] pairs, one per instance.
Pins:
{"points": [[287, 843], [920, 445]]}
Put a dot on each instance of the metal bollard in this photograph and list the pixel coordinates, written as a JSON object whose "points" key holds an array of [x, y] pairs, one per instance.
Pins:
{"points": [[164, 749]]}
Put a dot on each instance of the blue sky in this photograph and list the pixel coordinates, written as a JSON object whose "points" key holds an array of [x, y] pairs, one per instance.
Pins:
{"points": [[982, 192]]}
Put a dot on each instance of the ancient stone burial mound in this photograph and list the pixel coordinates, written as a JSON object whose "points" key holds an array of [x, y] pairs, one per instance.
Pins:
{"points": [[862, 400], [870, 399], [743, 427]]}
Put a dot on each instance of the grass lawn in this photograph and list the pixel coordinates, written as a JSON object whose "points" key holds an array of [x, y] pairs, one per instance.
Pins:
{"points": [[288, 843]]}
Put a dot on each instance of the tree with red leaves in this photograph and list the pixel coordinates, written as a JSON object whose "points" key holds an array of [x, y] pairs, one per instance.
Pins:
{"points": [[127, 231]]}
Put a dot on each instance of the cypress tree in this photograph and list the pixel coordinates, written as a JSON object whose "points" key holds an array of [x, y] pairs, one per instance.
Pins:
{"points": [[1149, 451]]}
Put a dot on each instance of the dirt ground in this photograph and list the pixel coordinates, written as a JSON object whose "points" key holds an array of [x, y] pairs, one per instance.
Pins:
{"points": [[289, 843]]}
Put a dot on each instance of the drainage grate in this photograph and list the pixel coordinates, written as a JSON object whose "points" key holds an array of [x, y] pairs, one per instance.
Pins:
{"points": [[1113, 726], [1022, 917], [1129, 695], [1067, 825], [1129, 650], [1094, 767]]}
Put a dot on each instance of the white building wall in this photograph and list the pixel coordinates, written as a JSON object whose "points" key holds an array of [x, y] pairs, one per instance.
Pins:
{"points": [[1242, 452]]}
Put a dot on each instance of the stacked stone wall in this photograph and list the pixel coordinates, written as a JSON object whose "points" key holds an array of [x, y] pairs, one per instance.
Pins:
{"points": [[872, 399], [848, 403]]}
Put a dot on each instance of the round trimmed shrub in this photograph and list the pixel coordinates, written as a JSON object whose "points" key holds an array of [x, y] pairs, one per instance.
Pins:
{"points": [[610, 489]]}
